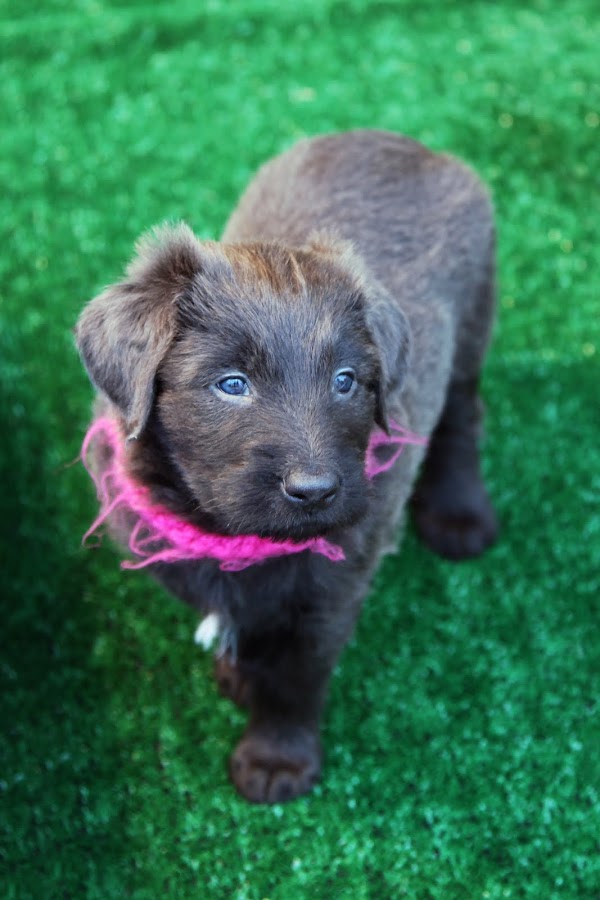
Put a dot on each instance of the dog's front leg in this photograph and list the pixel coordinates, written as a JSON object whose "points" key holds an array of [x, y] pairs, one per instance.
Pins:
{"points": [[284, 673]]}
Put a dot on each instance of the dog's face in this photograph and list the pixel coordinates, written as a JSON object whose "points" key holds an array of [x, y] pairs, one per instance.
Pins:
{"points": [[264, 369], [268, 396]]}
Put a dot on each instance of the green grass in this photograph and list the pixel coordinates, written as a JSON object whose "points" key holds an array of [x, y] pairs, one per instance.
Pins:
{"points": [[463, 734]]}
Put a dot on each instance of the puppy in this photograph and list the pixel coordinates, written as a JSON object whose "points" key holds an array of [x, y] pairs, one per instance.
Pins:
{"points": [[246, 391]]}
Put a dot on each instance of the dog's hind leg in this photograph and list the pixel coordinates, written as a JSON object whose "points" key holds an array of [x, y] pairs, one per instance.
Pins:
{"points": [[451, 508]]}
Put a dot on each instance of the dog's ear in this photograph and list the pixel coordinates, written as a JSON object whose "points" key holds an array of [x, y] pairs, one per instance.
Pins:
{"points": [[125, 332], [391, 333], [385, 319]]}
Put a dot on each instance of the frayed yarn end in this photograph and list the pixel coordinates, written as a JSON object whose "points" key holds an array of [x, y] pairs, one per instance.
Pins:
{"points": [[400, 438]]}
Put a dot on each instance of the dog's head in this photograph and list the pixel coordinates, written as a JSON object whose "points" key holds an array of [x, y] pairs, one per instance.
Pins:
{"points": [[266, 367]]}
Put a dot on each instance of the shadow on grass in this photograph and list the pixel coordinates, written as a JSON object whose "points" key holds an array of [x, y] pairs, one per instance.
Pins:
{"points": [[63, 822]]}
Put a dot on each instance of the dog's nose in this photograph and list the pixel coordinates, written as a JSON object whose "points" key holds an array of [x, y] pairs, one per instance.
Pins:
{"points": [[310, 491]]}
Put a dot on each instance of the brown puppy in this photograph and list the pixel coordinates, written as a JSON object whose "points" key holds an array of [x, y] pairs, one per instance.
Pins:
{"points": [[354, 286]]}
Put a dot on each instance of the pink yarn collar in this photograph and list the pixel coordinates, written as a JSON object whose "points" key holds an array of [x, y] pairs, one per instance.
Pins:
{"points": [[160, 536]]}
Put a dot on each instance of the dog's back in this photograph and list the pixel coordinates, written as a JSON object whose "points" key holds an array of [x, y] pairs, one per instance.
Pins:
{"points": [[398, 202]]}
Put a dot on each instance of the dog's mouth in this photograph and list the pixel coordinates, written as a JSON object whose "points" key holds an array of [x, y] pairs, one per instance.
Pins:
{"points": [[298, 526], [301, 532], [271, 522]]}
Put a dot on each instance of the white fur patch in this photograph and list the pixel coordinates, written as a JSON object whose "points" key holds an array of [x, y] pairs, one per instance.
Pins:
{"points": [[208, 631]]}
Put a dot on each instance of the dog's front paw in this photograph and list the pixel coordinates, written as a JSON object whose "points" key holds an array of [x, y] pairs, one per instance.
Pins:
{"points": [[275, 766], [459, 529]]}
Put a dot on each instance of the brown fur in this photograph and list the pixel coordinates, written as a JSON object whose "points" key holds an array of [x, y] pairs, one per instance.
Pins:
{"points": [[361, 251]]}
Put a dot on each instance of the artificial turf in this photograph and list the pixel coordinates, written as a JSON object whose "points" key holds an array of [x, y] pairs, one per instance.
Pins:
{"points": [[462, 737]]}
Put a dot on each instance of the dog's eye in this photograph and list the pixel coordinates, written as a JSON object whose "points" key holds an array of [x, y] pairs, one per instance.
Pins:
{"points": [[344, 381], [235, 386]]}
